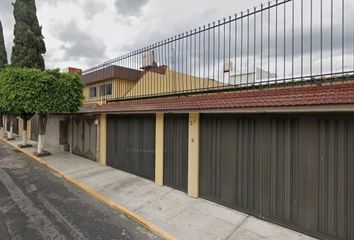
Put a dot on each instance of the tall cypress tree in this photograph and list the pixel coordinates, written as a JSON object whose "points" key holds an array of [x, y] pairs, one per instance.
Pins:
{"points": [[3, 54], [3, 62], [29, 45]]}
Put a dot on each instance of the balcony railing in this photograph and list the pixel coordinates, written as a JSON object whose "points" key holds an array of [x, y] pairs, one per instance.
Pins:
{"points": [[278, 44]]}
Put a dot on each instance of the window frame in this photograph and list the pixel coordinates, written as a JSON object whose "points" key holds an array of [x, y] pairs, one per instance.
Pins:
{"points": [[110, 88], [92, 92], [105, 90]]}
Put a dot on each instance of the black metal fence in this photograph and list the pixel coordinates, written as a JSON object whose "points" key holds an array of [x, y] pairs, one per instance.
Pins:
{"points": [[284, 42]]}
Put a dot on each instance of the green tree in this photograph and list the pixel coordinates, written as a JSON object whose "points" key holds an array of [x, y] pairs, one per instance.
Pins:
{"points": [[28, 91], [29, 45], [3, 54], [64, 95], [2, 108], [3, 63], [14, 93]]}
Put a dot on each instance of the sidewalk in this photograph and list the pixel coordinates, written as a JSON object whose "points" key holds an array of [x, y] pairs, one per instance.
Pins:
{"points": [[170, 210]]}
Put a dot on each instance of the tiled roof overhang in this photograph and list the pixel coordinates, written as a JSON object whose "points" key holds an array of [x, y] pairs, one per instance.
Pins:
{"points": [[285, 98]]}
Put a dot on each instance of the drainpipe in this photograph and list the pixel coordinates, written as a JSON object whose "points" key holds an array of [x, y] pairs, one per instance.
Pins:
{"points": [[71, 134]]}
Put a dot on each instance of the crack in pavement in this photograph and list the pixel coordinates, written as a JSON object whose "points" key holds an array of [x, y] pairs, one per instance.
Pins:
{"points": [[74, 231], [237, 227], [13, 233], [38, 219]]}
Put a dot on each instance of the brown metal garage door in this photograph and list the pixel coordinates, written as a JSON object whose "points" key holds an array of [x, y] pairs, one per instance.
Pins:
{"points": [[131, 144], [295, 171], [176, 151], [84, 136]]}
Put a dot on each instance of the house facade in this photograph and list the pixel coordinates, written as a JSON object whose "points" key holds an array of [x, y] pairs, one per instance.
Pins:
{"points": [[272, 138], [283, 154], [280, 153]]}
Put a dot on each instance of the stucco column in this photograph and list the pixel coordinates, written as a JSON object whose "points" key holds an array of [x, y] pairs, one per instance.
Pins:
{"points": [[159, 136], [103, 139], [193, 155]]}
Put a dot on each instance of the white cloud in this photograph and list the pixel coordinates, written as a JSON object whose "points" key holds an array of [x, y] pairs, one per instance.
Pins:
{"points": [[79, 44], [82, 33], [108, 34], [93, 7], [129, 8]]}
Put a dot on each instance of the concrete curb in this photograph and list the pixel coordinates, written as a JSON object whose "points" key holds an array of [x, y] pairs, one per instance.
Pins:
{"points": [[123, 210]]}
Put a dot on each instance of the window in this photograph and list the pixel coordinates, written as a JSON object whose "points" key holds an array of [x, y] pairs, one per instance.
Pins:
{"points": [[106, 90], [103, 90], [93, 92], [109, 89]]}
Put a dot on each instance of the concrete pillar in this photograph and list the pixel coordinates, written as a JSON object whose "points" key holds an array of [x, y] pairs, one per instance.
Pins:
{"points": [[103, 139], [159, 145], [193, 155]]}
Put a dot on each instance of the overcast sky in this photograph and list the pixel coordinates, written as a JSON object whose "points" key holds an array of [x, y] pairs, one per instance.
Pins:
{"points": [[83, 33]]}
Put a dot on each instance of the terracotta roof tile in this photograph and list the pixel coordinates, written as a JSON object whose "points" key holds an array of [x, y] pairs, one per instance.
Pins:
{"points": [[286, 97]]}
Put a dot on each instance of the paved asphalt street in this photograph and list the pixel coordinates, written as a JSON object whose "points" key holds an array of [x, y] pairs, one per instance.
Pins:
{"points": [[36, 203]]}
